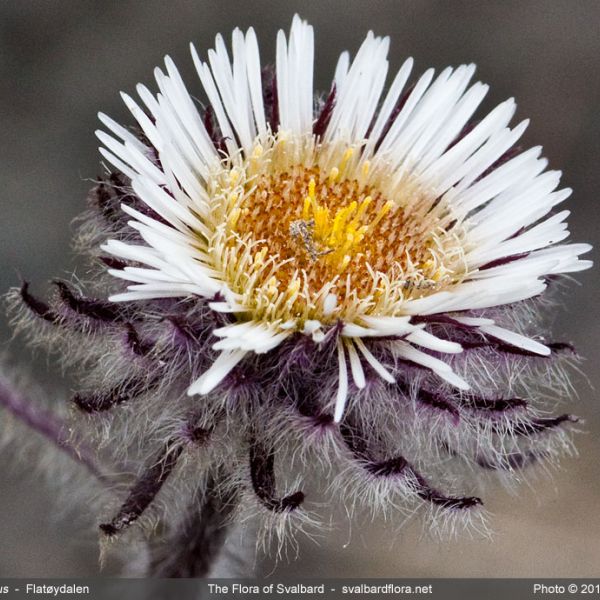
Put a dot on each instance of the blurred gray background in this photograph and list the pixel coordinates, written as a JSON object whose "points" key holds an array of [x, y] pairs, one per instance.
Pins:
{"points": [[62, 61]]}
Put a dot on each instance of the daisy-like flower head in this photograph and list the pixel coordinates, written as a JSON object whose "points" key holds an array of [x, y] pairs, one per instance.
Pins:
{"points": [[351, 281], [365, 214]]}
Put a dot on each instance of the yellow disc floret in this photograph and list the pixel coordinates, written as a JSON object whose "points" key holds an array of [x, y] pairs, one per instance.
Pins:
{"points": [[297, 223]]}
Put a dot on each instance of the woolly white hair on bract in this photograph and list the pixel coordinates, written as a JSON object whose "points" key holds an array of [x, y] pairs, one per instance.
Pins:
{"points": [[353, 282]]}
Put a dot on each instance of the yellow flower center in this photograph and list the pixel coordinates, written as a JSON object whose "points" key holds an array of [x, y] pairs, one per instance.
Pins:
{"points": [[318, 235]]}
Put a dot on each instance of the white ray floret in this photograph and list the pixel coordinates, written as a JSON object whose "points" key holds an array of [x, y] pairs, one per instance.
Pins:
{"points": [[222, 366], [492, 239], [342, 392]]}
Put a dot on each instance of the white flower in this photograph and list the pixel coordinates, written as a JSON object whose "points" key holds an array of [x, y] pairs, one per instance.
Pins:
{"points": [[361, 211]]}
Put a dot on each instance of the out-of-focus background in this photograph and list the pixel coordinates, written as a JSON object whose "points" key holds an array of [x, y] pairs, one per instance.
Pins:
{"points": [[62, 61]]}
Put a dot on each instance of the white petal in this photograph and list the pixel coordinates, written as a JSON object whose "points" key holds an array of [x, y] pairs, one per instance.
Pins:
{"points": [[388, 106], [439, 367], [379, 327], [377, 366], [341, 68], [329, 304], [355, 366], [118, 163], [121, 132], [142, 295], [388, 325], [515, 339], [227, 307], [358, 92], [212, 93], [410, 353], [148, 127], [211, 378], [407, 109], [546, 233], [255, 82], [431, 115], [249, 336], [427, 340], [342, 393], [428, 305], [452, 126], [447, 165], [453, 379], [132, 155], [294, 67]]}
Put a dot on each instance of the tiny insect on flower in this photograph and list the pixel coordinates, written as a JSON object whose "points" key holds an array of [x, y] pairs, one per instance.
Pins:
{"points": [[352, 281]]}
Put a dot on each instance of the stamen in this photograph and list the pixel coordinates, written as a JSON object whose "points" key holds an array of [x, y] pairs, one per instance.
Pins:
{"points": [[320, 222], [333, 175], [347, 156]]}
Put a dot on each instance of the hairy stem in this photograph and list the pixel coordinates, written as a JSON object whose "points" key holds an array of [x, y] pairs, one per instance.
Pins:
{"points": [[48, 425], [195, 545]]}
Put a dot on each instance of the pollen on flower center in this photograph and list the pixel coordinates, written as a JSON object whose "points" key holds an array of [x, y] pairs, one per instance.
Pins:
{"points": [[297, 234], [326, 228]]}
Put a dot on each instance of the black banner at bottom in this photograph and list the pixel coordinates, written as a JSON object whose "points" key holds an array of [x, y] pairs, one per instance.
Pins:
{"points": [[271, 589]]}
